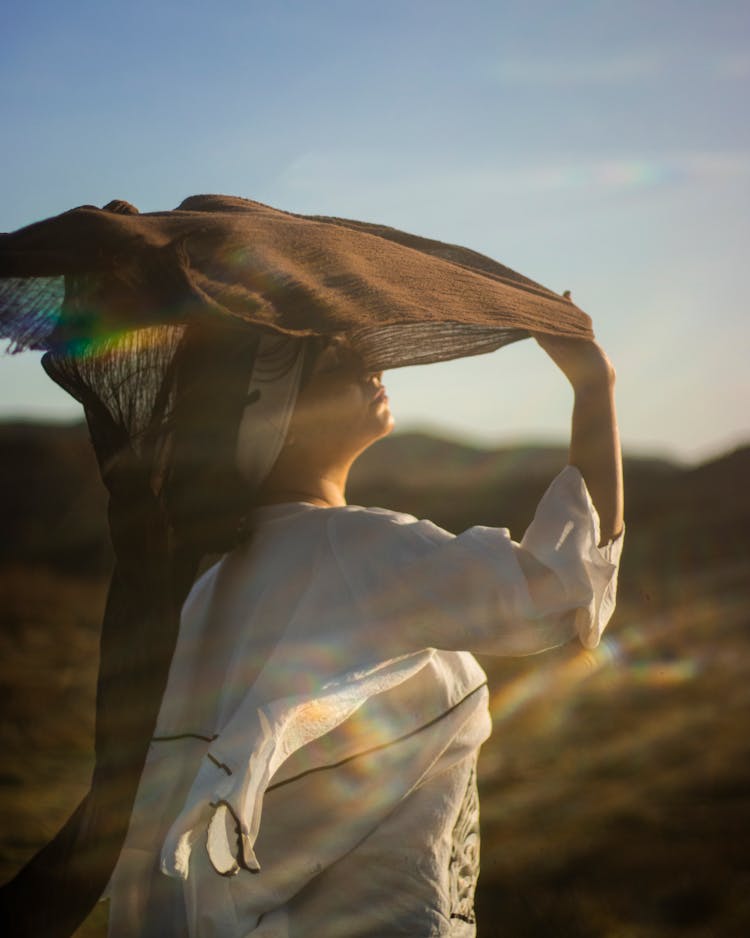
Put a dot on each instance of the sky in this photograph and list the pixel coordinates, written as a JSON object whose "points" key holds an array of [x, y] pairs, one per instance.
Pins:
{"points": [[601, 147]]}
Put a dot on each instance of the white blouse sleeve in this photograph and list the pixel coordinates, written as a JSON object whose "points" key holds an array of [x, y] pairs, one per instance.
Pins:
{"points": [[419, 586], [564, 537]]}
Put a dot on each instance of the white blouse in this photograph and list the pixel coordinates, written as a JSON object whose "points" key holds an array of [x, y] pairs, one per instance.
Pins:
{"points": [[313, 769]]}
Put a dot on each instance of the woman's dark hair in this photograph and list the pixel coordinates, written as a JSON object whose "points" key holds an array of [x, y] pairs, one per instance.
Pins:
{"points": [[207, 499]]}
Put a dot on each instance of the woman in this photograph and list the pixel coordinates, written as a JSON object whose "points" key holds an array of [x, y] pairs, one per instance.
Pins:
{"points": [[313, 769]]}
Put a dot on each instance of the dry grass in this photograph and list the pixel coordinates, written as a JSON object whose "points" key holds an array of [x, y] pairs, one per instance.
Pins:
{"points": [[615, 789], [48, 650]]}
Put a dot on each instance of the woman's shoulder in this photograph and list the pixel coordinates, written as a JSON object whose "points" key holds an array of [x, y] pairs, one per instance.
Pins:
{"points": [[362, 514], [371, 545], [356, 528]]}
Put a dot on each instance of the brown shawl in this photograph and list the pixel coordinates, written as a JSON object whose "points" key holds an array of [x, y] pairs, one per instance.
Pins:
{"points": [[402, 299]]}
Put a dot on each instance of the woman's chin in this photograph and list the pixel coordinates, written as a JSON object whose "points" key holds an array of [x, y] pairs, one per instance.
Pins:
{"points": [[388, 424], [382, 429]]}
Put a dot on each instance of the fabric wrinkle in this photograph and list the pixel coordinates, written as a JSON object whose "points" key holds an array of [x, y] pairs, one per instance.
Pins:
{"points": [[353, 747]]}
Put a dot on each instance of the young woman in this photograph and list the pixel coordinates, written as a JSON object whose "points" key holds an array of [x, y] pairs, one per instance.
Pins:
{"points": [[313, 768]]}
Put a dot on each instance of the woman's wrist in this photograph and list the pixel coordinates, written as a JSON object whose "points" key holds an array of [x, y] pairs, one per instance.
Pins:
{"points": [[590, 371], [584, 363], [594, 379]]}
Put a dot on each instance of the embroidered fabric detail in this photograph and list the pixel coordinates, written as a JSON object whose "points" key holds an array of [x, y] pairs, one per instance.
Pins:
{"points": [[463, 871]]}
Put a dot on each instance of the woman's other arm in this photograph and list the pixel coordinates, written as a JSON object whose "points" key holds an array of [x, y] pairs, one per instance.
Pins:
{"points": [[594, 441]]}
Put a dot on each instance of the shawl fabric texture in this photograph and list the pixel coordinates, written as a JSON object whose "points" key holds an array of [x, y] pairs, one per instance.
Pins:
{"points": [[401, 299], [312, 772]]}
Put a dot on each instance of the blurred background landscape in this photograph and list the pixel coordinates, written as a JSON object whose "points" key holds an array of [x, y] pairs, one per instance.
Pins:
{"points": [[616, 786], [599, 147]]}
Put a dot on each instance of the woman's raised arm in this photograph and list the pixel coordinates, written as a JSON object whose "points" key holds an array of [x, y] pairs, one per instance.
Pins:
{"points": [[594, 441]]}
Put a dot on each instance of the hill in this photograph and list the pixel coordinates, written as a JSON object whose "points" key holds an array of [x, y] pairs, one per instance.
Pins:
{"points": [[57, 513], [615, 785]]}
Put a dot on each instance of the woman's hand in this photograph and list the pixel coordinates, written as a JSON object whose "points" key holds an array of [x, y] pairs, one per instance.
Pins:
{"points": [[594, 439]]}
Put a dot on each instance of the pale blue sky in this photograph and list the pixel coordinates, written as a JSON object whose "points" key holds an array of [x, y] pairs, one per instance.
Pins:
{"points": [[602, 147]]}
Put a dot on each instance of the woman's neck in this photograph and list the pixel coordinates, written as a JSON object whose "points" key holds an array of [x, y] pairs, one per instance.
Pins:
{"points": [[323, 489]]}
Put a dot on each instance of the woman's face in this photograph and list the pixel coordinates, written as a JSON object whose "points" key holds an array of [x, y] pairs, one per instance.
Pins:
{"points": [[342, 409]]}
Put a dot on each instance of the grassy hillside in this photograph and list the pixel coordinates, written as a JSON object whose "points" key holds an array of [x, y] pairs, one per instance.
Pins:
{"points": [[616, 786]]}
